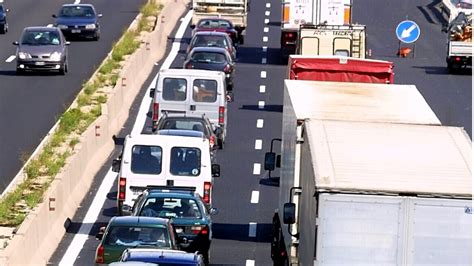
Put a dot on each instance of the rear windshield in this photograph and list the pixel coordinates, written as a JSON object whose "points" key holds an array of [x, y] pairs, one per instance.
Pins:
{"points": [[76, 11], [146, 159], [171, 208], [185, 125], [133, 236], [208, 57], [185, 161], [40, 38], [174, 89], [209, 41], [204, 90], [222, 24]]}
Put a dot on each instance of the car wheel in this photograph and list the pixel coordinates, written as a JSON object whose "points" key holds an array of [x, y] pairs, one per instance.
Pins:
{"points": [[20, 71], [206, 256], [62, 70], [3, 30], [220, 144]]}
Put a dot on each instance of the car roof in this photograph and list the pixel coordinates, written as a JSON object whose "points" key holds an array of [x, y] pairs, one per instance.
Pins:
{"points": [[185, 194], [67, 5], [152, 139], [183, 117], [211, 32], [184, 73], [161, 255], [181, 132], [138, 220], [209, 49], [40, 28], [215, 18]]}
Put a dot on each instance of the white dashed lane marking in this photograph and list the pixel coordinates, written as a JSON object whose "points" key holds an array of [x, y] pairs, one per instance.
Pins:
{"points": [[265, 39], [264, 60], [77, 2], [249, 263], [11, 58], [263, 74], [268, 5], [258, 144], [267, 21], [264, 49], [267, 13], [262, 88], [259, 123], [256, 168], [265, 29], [261, 104], [252, 229], [254, 197]]}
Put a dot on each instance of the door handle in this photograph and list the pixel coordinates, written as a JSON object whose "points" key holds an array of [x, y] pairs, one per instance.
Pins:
{"points": [[192, 107]]}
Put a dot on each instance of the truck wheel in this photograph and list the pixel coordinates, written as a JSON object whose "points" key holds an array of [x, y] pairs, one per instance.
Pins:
{"points": [[119, 208], [3, 29]]}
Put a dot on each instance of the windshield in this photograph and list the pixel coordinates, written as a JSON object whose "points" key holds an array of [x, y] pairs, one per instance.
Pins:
{"points": [[185, 161], [171, 208], [209, 41], [146, 159], [208, 57], [40, 38], [76, 11], [134, 236]]}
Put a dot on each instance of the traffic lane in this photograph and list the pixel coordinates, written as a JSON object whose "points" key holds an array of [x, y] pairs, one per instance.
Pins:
{"points": [[32, 103], [449, 95]]}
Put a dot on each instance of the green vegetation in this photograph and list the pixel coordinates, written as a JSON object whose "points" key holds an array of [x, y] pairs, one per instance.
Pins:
{"points": [[40, 171]]}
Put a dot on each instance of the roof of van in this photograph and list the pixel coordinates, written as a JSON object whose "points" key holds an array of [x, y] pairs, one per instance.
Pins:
{"points": [[192, 72], [153, 139], [369, 102], [391, 158]]}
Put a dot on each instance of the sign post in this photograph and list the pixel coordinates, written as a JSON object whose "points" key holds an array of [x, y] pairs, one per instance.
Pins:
{"points": [[407, 32]]}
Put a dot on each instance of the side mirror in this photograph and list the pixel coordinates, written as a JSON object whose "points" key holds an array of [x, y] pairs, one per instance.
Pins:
{"points": [[289, 213], [67, 43], [126, 210], [100, 234], [54, 16], [116, 165], [192, 26], [270, 161], [152, 92], [99, 15], [216, 170], [213, 211], [15, 43]]}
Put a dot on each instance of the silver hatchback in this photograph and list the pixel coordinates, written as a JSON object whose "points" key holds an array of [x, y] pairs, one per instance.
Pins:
{"points": [[42, 49]]}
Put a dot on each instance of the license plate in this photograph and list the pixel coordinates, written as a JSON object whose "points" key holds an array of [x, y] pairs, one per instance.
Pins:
{"points": [[75, 31], [39, 63]]}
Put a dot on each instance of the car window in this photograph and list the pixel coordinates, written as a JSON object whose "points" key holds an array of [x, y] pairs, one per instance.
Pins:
{"points": [[132, 236], [215, 23], [76, 11], [204, 90], [171, 207], [209, 41], [174, 89], [195, 125], [146, 159], [208, 57], [185, 161], [40, 38]]}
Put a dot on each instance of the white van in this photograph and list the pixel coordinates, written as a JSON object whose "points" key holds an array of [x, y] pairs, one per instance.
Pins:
{"points": [[191, 92], [163, 160]]}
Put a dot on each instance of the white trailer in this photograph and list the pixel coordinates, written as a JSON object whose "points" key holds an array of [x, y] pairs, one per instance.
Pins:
{"points": [[370, 177]]}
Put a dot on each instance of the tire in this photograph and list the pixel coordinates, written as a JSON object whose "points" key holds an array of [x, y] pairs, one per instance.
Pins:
{"points": [[119, 208], [20, 72], [220, 144], [4, 29], [206, 256]]}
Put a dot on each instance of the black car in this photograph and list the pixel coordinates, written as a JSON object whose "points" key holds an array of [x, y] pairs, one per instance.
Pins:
{"points": [[189, 215], [212, 58], [212, 39], [222, 25], [194, 123], [78, 20], [3, 19]]}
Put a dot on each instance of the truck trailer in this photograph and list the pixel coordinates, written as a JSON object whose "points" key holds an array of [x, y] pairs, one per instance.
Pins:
{"points": [[369, 176]]}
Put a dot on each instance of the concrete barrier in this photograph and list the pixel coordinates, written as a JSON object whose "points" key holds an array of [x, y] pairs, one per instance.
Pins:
{"points": [[38, 236]]}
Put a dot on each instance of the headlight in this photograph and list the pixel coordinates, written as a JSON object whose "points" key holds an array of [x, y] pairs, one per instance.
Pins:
{"points": [[62, 26], [56, 56], [90, 26], [23, 55]]}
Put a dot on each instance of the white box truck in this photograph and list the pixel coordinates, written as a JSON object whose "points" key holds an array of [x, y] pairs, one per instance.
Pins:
{"points": [[369, 177]]}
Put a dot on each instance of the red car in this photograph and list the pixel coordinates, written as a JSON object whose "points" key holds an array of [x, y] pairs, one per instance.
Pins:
{"points": [[219, 24]]}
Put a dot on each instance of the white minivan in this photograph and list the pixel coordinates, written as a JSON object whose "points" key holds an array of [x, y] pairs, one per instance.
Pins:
{"points": [[191, 92], [163, 160]]}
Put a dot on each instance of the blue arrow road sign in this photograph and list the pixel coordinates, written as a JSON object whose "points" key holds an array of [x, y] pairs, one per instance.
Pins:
{"points": [[408, 31]]}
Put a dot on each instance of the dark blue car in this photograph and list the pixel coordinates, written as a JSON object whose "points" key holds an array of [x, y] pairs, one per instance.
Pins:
{"points": [[78, 20], [160, 257], [3, 19]]}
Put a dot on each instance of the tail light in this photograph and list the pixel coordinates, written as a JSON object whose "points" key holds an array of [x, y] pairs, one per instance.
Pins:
{"points": [[207, 192], [289, 35], [212, 140], [221, 114], [156, 109], [99, 258], [457, 59], [204, 230], [122, 184]]}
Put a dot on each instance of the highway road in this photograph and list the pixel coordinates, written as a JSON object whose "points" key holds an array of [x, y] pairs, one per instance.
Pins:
{"points": [[242, 194], [31, 104]]}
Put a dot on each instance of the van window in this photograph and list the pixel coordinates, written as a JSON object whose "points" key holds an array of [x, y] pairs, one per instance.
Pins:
{"points": [[174, 89], [185, 161], [146, 159], [204, 90]]}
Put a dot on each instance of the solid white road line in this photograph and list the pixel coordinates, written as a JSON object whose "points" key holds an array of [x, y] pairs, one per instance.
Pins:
{"points": [[268, 5], [264, 49], [146, 101], [263, 74], [258, 144], [265, 29], [11, 58], [265, 39], [259, 123], [252, 229], [262, 88], [261, 104], [264, 60], [267, 13], [91, 217], [249, 263], [254, 197], [267, 21], [256, 168]]}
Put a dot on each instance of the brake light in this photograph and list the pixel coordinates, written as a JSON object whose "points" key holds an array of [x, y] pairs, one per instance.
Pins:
{"points": [[212, 140], [289, 35], [221, 114], [207, 192], [156, 109], [99, 258], [457, 58], [227, 68], [205, 230], [122, 184]]}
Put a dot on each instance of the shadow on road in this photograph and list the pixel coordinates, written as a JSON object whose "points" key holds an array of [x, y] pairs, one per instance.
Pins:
{"points": [[240, 232], [267, 108], [442, 70]]}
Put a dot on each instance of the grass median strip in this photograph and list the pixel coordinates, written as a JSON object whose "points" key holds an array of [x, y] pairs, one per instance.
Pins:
{"points": [[41, 170]]}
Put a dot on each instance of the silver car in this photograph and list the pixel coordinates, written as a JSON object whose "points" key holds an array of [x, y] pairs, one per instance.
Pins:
{"points": [[42, 49]]}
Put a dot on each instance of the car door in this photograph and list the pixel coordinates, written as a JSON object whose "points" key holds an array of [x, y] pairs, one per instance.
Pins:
{"points": [[172, 95], [205, 97]]}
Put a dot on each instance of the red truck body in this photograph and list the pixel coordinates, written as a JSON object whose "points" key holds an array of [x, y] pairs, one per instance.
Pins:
{"points": [[345, 69]]}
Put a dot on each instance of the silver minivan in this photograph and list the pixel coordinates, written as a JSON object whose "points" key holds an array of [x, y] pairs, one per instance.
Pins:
{"points": [[191, 92]]}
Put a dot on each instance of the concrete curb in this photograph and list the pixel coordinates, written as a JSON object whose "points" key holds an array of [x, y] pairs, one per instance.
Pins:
{"points": [[38, 236]]}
